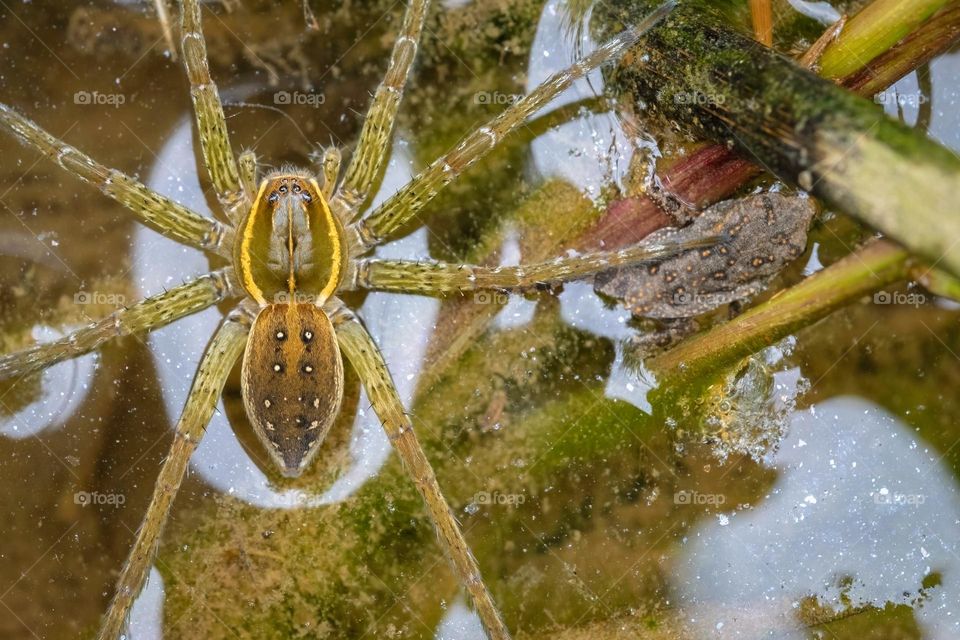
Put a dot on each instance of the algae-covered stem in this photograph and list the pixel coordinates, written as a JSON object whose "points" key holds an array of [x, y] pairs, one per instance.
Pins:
{"points": [[721, 84], [714, 172], [873, 267]]}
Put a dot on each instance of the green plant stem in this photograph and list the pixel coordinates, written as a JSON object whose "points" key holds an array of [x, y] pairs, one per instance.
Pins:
{"points": [[872, 31], [931, 39], [863, 272]]}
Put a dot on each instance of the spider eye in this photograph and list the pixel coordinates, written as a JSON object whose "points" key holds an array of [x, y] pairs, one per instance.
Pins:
{"points": [[306, 197], [272, 199], [296, 188], [283, 188]]}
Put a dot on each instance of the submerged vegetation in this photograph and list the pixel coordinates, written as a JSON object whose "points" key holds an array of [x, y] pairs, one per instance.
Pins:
{"points": [[561, 453]]}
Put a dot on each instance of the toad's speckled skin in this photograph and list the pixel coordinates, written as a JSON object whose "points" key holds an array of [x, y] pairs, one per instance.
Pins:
{"points": [[761, 234]]}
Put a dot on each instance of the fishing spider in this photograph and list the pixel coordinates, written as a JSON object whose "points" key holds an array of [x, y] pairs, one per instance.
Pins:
{"points": [[293, 243]]}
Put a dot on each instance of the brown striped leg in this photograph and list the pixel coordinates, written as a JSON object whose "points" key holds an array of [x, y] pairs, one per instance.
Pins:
{"points": [[218, 360], [149, 314], [367, 361], [429, 277], [374, 141], [149, 207], [211, 123]]}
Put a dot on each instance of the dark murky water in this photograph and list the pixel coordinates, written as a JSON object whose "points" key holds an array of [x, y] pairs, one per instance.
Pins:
{"points": [[821, 500]]}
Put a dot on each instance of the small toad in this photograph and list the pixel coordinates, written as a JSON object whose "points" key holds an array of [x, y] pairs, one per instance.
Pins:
{"points": [[760, 234]]}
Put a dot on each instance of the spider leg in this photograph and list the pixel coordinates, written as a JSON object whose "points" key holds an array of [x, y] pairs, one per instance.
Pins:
{"points": [[218, 360], [375, 136], [211, 122], [435, 278], [405, 203], [152, 209], [363, 354], [149, 314]]}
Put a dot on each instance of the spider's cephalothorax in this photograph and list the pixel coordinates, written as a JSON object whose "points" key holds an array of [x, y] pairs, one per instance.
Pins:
{"points": [[290, 246], [290, 255]]}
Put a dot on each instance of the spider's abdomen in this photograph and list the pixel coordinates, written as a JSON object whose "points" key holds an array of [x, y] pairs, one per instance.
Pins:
{"points": [[290, 246], [292, 381]]}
